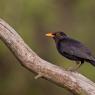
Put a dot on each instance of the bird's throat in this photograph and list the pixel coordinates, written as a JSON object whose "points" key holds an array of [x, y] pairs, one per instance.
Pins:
{"points": [[56, 39]]}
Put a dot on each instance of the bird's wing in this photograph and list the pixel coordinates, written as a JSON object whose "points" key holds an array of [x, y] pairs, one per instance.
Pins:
{"points": [[75, 48]]}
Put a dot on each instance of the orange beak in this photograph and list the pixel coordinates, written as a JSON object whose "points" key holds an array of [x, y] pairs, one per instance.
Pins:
{"points": [[49, 34]]}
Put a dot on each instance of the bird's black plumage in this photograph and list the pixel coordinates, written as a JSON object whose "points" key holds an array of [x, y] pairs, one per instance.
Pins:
{"points": [[72, 49]]}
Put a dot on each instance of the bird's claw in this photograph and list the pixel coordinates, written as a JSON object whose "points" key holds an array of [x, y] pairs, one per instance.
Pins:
{"points": [[71, 69]]}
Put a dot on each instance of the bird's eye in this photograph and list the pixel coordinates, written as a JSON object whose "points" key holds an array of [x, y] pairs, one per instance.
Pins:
{"points": [[58, 34], [61, 34]]}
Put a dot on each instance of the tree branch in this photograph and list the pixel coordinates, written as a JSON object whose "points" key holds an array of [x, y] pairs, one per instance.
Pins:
{"points": [[75, 82]]}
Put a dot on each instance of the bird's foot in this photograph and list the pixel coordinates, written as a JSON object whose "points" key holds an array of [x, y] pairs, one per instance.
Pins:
{"points": [[71, 69], [75, 67]]}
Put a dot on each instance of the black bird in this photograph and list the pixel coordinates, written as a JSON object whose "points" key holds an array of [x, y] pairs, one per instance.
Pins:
{"points": [[72, 49]]}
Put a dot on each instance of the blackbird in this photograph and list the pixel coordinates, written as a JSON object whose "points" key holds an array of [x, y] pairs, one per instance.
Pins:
{"points": [[72, 49]]}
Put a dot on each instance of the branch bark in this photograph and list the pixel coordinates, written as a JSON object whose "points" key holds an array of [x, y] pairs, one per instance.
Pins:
{"points": [[73, 81]]}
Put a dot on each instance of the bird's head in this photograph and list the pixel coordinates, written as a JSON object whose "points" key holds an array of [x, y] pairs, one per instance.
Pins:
{"points": [[56, 35]]}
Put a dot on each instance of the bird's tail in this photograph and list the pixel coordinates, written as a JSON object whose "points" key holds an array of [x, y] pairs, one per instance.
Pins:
{"points": [[92, 62]]}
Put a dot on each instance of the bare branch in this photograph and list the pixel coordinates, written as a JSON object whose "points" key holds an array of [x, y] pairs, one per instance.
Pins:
{"points": [[75, 82]]}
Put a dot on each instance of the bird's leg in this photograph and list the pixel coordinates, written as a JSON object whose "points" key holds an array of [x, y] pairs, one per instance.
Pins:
{"points": [[75, 67], [78, 64]]}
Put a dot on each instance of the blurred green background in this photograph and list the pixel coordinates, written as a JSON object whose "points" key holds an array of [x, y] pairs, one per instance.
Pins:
{"points": [[32, 19]]}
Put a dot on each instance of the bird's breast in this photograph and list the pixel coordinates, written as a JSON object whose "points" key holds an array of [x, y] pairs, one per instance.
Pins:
{"points": [[63, 51]]}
